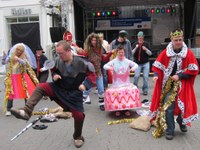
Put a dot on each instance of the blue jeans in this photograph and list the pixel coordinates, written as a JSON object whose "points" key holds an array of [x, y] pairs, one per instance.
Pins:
{"points": [[105, 76], [145, 69], [100, 87], [170, 116]]}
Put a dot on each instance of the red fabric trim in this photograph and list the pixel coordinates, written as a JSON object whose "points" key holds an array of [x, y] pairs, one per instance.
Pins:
{"points": [[91, 76], [47, 88], [106, 57], [186, 92]]}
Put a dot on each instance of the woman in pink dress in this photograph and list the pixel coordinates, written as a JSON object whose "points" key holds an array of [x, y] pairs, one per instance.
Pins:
{"points": [[122, 95], [20, 79]]}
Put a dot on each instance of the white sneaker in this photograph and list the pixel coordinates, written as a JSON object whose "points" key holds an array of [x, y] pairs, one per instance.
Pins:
{"points": [[146, 105], [96, 91], [86, 100], [8, 113]]}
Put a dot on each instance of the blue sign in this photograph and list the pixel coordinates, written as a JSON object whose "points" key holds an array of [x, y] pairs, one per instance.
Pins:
{"points": [[119, 22], [123, 23]]}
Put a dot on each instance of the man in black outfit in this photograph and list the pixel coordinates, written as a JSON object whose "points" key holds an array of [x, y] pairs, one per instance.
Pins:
{"points": [[40, 59], [71, 76]]}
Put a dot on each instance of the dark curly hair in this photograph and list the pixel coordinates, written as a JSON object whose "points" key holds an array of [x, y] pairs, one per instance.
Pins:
{"points": [[88, 44]]}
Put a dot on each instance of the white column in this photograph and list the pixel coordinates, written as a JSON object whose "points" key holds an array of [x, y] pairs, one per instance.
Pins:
{"points": [[3, 41], [45, 24], [70, 21], [2, 46]]}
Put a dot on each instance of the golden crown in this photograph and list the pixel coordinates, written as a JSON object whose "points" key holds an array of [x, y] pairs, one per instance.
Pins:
{"points": [[176, 33], [100, 34]]}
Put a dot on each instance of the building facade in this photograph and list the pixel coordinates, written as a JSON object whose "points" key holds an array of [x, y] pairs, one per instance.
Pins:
{"points": [[34, 22], [29, 22]]}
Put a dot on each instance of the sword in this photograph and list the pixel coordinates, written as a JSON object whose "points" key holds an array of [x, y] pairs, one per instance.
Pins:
{"points": [[26, 128]]}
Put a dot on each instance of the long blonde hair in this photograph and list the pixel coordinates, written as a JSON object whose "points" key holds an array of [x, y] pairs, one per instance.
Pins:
{"points": [[22, 56], [23, 69]]}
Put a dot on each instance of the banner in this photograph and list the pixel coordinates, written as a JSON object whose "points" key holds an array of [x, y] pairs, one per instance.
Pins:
{"points": [[123, 23]]}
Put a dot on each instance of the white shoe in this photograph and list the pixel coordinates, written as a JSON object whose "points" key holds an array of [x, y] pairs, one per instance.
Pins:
{"points": [[86, 100], [95, 91], [146, 105], [8, 113]]}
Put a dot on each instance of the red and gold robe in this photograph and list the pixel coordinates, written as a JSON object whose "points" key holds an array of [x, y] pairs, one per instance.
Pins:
{"points": [[185, 102]]}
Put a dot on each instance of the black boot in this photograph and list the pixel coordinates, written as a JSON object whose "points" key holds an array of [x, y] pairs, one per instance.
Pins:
{"points": [[169, 136], [78, 138], [101, 102], [179, 120]]}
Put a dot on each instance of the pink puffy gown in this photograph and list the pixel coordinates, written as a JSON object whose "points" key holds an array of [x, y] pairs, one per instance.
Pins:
{"points": [[122, 94]]}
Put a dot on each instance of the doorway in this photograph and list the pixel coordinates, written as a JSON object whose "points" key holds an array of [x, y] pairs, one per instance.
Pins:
{"points": [[27, 33]]}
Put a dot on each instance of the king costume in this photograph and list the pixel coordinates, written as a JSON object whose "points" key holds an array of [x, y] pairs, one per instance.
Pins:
{"points": [[183, 63]]}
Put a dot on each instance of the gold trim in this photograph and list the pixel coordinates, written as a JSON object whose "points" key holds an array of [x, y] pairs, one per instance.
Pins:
{"points": [[120, 121], [160, 121], [8, 81]]}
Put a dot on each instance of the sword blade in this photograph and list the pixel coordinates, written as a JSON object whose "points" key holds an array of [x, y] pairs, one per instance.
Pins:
{"points": [[26, 128]]}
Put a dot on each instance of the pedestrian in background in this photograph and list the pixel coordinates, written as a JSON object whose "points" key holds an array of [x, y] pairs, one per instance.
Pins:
{"points": [[141, 52], [105, 50], [122, 40], [42, 75], [93, 47], [76, 50]]}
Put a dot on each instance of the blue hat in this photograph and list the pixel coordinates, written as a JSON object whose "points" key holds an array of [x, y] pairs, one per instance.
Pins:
{"points": [[140, 34]]}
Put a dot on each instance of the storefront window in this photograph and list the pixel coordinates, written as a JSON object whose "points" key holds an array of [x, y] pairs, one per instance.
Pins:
{"points": [[34, 18], [23, 19], [11, 20]]}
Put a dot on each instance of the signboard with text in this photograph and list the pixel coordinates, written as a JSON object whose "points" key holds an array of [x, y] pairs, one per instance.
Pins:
{"points": [[123, 23]]}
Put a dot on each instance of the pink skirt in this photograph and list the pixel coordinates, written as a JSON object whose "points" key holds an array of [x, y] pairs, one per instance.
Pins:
{"points": [[17, 86], [122, 98]]}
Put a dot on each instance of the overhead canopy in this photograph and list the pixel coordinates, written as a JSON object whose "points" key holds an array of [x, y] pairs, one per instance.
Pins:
{"points": [[91, 4]]}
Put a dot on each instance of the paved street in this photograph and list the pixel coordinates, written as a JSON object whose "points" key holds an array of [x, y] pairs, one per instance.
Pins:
{"points": [[98, 134]]}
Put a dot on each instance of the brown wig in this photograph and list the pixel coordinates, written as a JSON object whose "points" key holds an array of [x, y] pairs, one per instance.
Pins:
{"points": [[88, 44]]}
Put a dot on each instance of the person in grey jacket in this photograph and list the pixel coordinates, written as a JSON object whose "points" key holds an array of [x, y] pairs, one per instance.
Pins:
{"points": [[122, 40]]}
